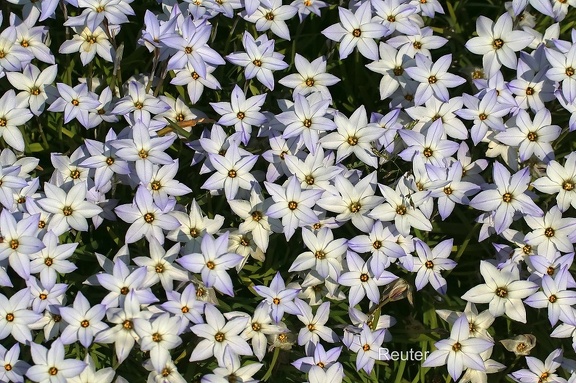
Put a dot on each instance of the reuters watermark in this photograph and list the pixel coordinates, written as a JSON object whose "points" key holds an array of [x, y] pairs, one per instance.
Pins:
{"points": [[410, 355]]}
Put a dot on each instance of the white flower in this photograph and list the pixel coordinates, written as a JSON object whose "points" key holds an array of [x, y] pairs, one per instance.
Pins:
{"points": [[160, 265], [84, 321], [15, 317], [259, 60], [311, 77], [356, 30], [88, 43], [69, 209], [354, 135], [159, 337], [221, 338], [459, 351], [503, 291], [50, 365], [539, 372], [560, 179], [271, 15], [555, 297], [497, 42]]}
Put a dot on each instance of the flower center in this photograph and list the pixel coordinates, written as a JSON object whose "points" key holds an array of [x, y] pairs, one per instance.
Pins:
{"points": [[219, 337], [256, 326], [527, 249], [244, 241], [309, 82], [356, 32], [75, 102], [309, 180], [143, 154], [257, 216], [91, 39], [232, 173], [14, 244], [447, 190], [429, 264], [200, 292], [43, 296], [276, 301], [401, 210], [292, 205], [240, 115], [320, 364], [568, 185], [549, 232], [482, 116], [257, 63], [530, 91], [8, 367], [155, 185], [35, 91], [67, 211], [352, 140], [550, 270], [109, 161], [210, 265], [307, 123], [428, 152], [552, 298], [377, 244], [124, 290], [159, 268], [569, 71], [149, 217], [532, 136], [194, 232], [311, 327], [75, 174], [456, 347], [355, 207], [501, 292], [84, 323], [521, 347], [138, 105], [166, 372], [53, 371], [398, 71], [417, 45], [364, 277], [366, 347], [544, 377], [188, 50], [195, 76], [48, 261], [432, 80], [25, 43], [157, 337], [319, 254], [507, 197], [10, 317], [497, 43]]}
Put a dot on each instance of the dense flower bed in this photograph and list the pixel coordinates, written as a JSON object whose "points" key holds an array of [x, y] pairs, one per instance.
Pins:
{"points": [[258, 190]]}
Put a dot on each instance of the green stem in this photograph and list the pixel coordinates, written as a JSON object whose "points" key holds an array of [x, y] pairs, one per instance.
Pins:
{"points": [[272, 364]]}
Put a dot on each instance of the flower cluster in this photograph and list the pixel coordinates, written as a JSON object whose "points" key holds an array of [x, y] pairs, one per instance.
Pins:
{"points": [[253, 200]]}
